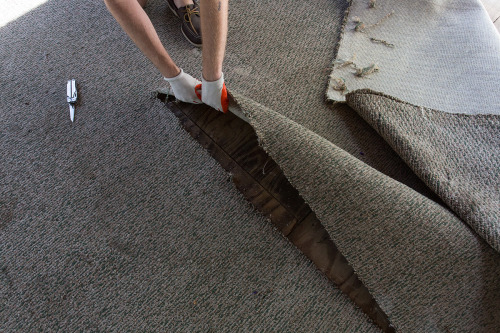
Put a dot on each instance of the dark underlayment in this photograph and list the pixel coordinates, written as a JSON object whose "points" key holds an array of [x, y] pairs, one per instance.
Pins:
{"points": [[234, 145]]}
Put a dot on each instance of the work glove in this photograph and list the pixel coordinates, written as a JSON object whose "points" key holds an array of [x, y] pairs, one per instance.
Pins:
{"points": [[183, 87], [213, 93]]}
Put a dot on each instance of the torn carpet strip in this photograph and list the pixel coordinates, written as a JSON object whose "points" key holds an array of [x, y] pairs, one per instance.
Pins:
{"points": [[437, 64], [426, 269]]}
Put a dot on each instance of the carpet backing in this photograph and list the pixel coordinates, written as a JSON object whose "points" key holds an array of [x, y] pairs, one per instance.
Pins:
{"points": [[440, 54]]}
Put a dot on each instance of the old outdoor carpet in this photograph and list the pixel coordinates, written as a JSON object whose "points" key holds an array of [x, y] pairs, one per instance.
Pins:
{"points": [[427, 270], [443, 74], [120, 221]]}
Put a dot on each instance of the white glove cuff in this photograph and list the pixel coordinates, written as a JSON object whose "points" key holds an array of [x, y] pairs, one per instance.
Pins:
{"points": [[175, 78], [213, 84]]}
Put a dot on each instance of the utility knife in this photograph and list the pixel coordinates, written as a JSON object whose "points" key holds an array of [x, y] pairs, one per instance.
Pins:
{"points": [[71, 97]]}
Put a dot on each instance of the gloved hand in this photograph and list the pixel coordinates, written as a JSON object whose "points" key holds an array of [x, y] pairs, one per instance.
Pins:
{"points": [[213, 93], [183, 87]]}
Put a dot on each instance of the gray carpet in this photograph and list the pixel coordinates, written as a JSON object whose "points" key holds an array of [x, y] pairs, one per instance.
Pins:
{"points": [[124, 186], [120, 221]]}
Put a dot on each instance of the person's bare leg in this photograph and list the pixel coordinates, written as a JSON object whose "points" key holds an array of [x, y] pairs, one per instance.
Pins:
{"points": [[138, 26], [214, 34], [182, 3]]}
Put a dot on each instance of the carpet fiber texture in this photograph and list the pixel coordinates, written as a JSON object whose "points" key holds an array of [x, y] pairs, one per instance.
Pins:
{"points": [[120, 221]]}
